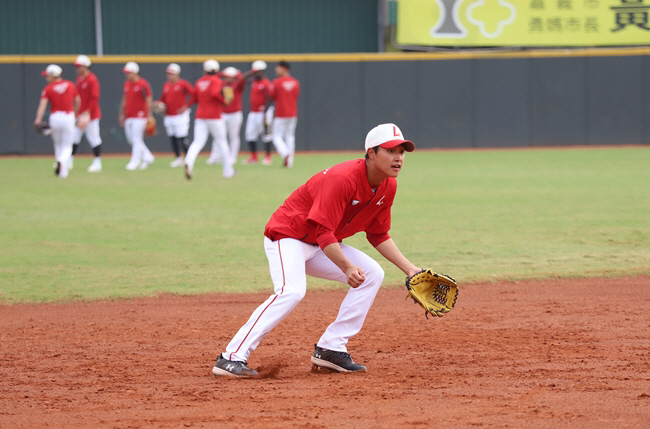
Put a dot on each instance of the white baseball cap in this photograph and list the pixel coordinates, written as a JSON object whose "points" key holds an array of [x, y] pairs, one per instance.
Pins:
{"points": [[173, 68], [82, 60], [258, 65], [387, 136], [131, 67], [211, 66], [52, 70], [230, 72]]}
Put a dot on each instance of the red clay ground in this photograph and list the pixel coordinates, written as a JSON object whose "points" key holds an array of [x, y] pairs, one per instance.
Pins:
{"points": [[545, 354]]}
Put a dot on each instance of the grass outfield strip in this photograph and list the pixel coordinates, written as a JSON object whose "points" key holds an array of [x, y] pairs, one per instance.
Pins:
{"points": [[477, 215]]}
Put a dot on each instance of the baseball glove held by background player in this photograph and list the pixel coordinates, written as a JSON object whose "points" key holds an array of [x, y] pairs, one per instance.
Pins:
{"points": [[435, 292], [150, 130], [43, 128], [228, 94]]}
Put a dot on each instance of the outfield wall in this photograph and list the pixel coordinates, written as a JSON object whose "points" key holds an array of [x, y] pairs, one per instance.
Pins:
{"points": [[459, 100]]}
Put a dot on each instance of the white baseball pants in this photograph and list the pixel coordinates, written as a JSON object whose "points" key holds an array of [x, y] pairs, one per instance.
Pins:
{"points": [[284, 136], [134, 131], [255, 126], [62, 125], [233, 129], [290, 261], [177, 125], [91, 132], [216, 128]]}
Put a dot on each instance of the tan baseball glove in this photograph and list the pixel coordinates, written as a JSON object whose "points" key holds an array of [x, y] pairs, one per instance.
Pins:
{"points": [[435, 292], [228, 94], [151, 130]]}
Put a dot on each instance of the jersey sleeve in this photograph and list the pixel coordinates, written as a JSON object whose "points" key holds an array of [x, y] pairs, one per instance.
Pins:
{"points": [[93, 100], [147, 90], [215, 90], [189, 93], [240, 84]]}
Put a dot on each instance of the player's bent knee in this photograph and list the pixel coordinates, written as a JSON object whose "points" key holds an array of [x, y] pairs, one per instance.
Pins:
{"points": [[374, 273], [294, 296]]}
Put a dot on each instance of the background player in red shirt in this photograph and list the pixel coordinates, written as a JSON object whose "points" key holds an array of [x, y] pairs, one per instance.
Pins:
{"points": [[304, 237], [174, 102], [209, 96], [286, 90], [64, 101], [232, 114], [89, 113], [258, 121], [135, 110]]}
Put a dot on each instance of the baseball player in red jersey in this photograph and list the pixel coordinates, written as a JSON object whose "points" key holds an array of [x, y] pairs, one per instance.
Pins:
{"points": [[89, 113], [260, 115], [64, 102], [135, 110], [286, 90], [174, 101], [209, 96], [304, 237], [232, 114]]}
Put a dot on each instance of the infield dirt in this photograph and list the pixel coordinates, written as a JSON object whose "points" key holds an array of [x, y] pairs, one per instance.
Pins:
{"points": [[559, 353]]}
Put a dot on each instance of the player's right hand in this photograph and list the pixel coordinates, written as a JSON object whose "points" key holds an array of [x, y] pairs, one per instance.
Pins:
{"points": [[355, 276]]}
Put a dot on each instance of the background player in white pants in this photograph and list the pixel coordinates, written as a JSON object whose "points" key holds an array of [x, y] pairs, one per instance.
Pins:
{"points": [[89, 113], [174, 103], [286, 90], [232, 114], [209, 96], [303, 237], [135, 110], [260, 116], [64, 101]]}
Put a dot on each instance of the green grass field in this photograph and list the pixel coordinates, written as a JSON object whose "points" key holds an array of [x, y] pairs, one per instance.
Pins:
{"points": [[477, 215]]}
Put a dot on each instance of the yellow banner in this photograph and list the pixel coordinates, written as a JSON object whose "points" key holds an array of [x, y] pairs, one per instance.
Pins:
{"points": [[523, 22]]}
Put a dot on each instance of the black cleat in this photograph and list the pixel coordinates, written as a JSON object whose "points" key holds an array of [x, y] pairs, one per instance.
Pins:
{"points": [[232, 368], [57, 169], [337, 361], [188, 172]]}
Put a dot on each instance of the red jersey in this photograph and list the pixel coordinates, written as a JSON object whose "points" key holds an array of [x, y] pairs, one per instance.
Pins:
{"points": [[238, 89], [335, 204], [136, 94], [175, 95], [60, 94], [286, 91], [260, 91], [207, 93], [88, 88]]}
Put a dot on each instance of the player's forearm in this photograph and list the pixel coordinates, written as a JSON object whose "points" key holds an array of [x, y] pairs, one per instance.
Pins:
{"points": [[335, 254], [40, 112], [149, 106], [389, 250]]}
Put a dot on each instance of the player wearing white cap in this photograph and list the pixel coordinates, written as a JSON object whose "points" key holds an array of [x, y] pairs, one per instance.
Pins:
{"points": [[286, 90], [135, 110], [260, 116], [174, 102], [89, 113], [64, 101], [304, 237], [209, 96], [232, 113]]}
